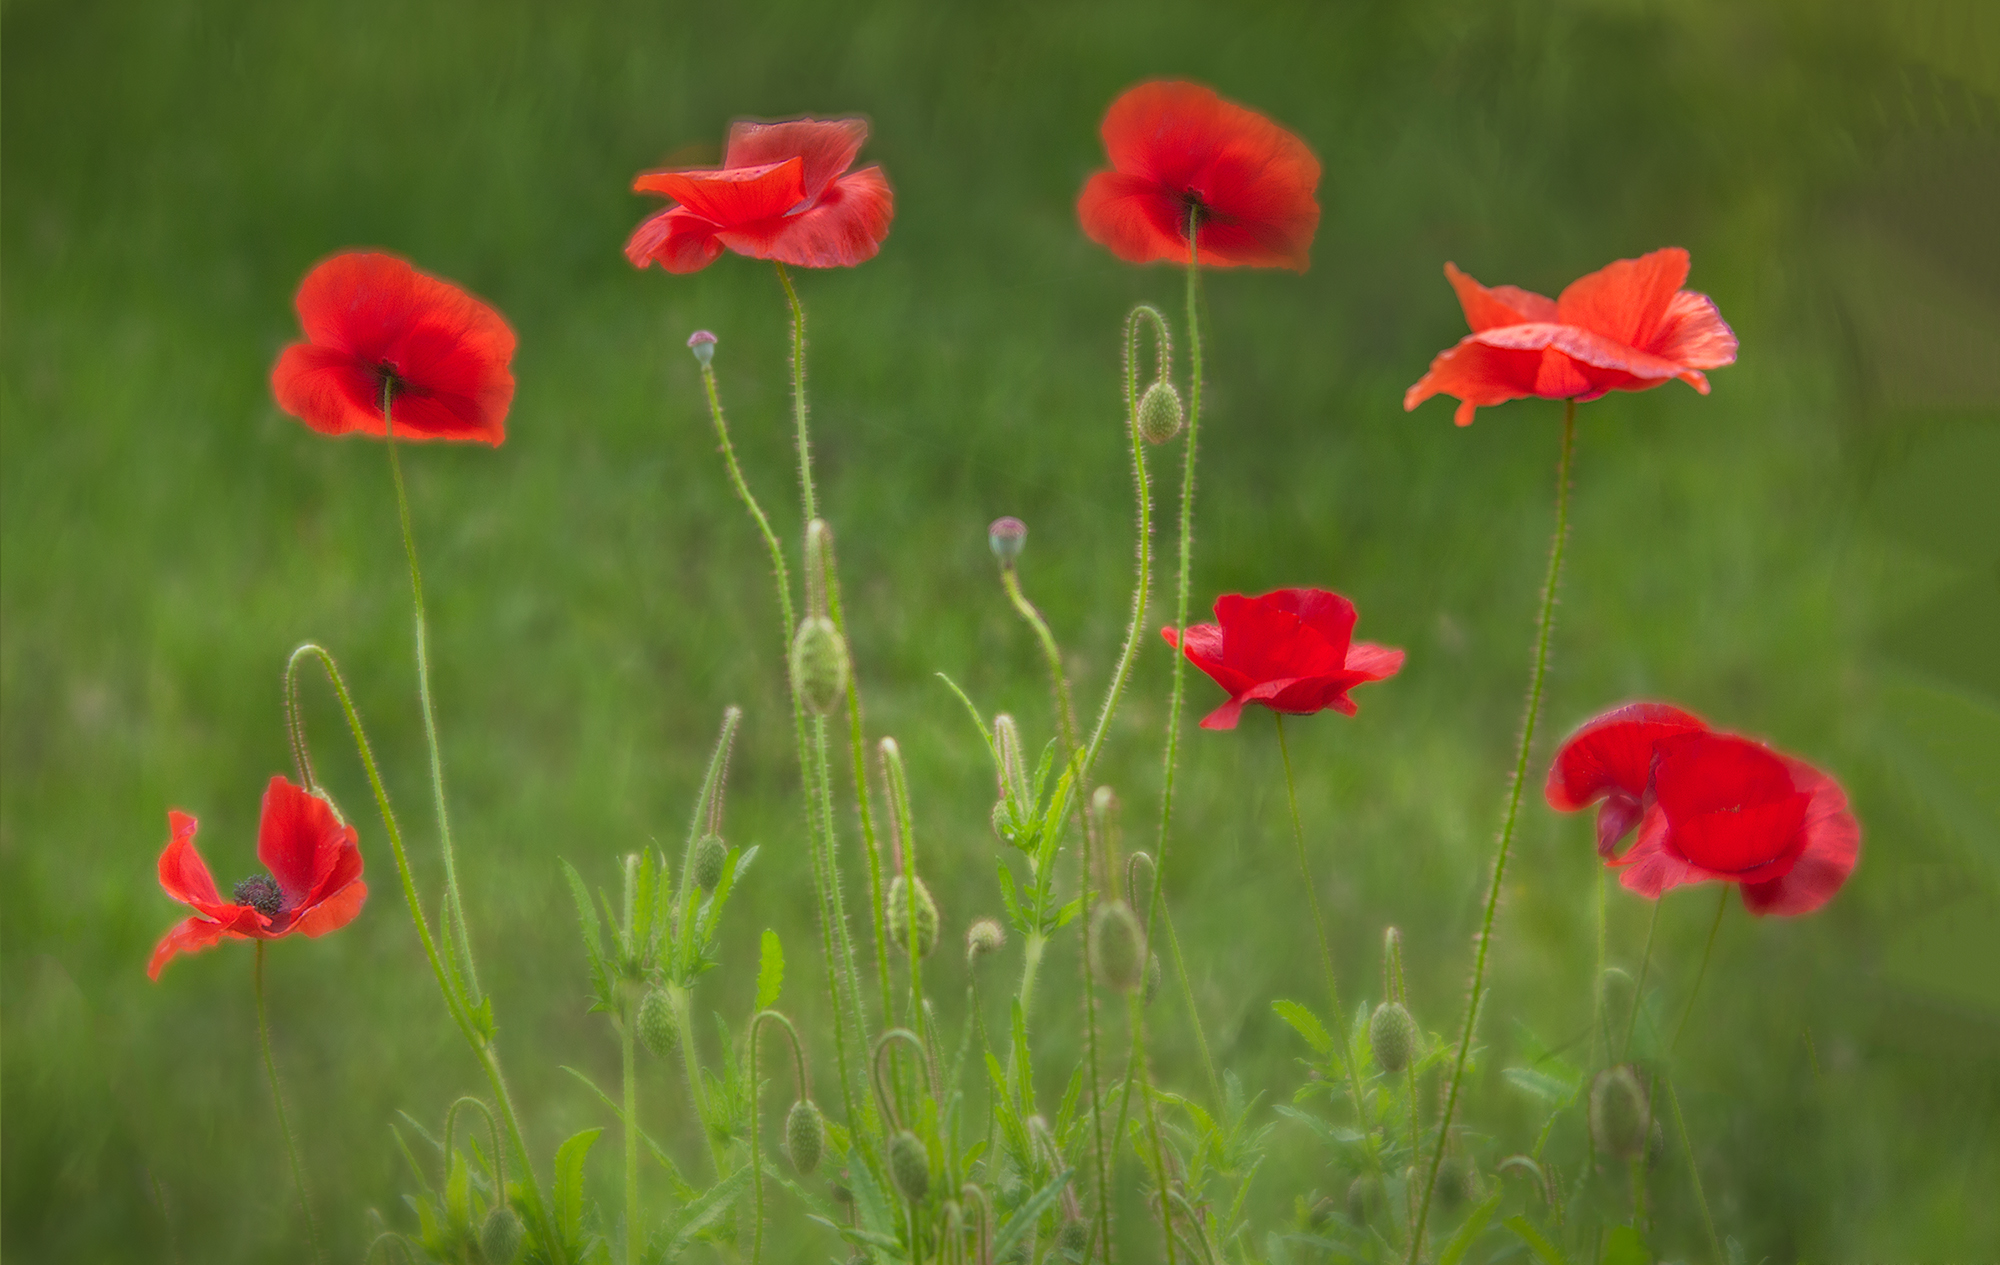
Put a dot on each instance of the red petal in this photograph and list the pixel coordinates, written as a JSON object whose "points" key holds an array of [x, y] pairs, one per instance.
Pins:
{"points": [[1694, 335], [676, 239], [304, 844], [1651, 866], [183, 874], [329, 390], [826, 147], [1730, 803], [189, 936], [1204, 649], [335, 912], [1225, 716], [1132, 218], [1613, 751], [732, 196], [1832, 846], [1615, 818], [844, 228], [1328, 614], [1626, 301], [1487, 307], [1264, 642]]}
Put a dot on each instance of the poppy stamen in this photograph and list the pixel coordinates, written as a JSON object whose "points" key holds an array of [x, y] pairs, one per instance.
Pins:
{"points": [[261, 893]]}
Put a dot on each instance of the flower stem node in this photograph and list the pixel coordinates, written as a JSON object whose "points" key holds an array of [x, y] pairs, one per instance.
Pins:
{"points": [[984, 936], [805, 1136], [1392, 1037], [500, 1237], [1115, 947], [1160, 413], [819, 664], [1007, 536], [1621, 1116], [899, 901], [709, 857], [702, 344], [657, 1031], [910, 1166]]}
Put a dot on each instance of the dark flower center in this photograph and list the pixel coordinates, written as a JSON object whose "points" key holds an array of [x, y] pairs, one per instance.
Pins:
{"points": [[392, 382], [260, 892], [1195, 207]]}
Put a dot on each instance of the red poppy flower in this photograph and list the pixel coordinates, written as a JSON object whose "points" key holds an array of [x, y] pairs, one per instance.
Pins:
{"points": [[1177, 150], [1708, 806], [374, 324], [779, 194], [1626, 327], [1292, 650], [314, 885]]}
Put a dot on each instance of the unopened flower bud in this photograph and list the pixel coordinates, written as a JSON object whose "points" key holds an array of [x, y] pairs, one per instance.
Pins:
{"points": [[1115, 946], [500, 1237], [899, 901], [984, 936], [1003, 821], [702, 344], [1006, 537], [657, 1031], [709, 857], [1620, 1114], [1073, 1237], [910, 1166], [1458, 1181], [1392, 1036], [805, 1136], [1013, 765], [1160, 413], [1364, 1198], [819, 664]]}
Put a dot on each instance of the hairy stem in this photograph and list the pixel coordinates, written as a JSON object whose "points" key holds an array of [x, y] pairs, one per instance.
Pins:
{"points": [[1639, 989], [1701, 974], [628, 1023]]}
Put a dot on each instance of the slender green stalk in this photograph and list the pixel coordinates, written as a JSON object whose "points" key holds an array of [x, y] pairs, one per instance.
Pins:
{"points": [[830, 836], [454, 911], [284, 1123], [1136, 1018], [799, 391], [904, 822], [1702, 973], [680, 997], [803, 1085], [1599, 1038], [1319, 926], [1544, 625], [1051, 656], [1694, 1173], [1639, 989], [628, 1057]]}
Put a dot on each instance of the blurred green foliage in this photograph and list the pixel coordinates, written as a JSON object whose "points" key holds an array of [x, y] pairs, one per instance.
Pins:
{"points": [[1811, 554]]}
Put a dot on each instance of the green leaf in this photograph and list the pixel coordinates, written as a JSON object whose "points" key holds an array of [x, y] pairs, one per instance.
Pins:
{"points": [[1549, 1089], [1545, 1252], [642, 909], [770, 970], [1012, 900], [1306, 1024], [569, 1183], [1625, 1246], [1460, 1242], [683, 1190], [697, 1216], [586, 916], [1029, 1212]]}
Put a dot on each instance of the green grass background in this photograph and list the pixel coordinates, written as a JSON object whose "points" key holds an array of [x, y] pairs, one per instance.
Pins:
{"points": [[1811, 554]]}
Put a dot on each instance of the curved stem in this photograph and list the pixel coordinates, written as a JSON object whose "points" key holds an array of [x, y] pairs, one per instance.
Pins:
{"points": [[801, 1083], [1051, 655], [1702, 973], [1545, 623], [284, 1123], [1639, 989]]}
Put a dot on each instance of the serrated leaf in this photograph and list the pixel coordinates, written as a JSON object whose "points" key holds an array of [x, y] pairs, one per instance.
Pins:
{"points": [[1306, 1024], [642, 908], [593, 933], [569, 1183], [770, 970], [1541, 1085], [1012, 900], [1545, 1252], [1064, 915], [1029, 1212], [697, 1216]]}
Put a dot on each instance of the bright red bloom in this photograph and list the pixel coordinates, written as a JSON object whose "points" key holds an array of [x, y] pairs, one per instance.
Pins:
{"points": [[779, 194], [1178, 149], [1626, 327], [314, 885], [1709, 807], [374, 323], [1291, 650]]}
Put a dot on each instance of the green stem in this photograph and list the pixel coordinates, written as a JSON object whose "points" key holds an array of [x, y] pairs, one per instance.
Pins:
{"points": [[1544, 624], [680, 997], [1702, 973], [801, 1083], [284, 1123], [1052, 657], [1639, 989], [799, 391], [629, 1065], [454, 914], [1694, 1172], [1135, 1016], [1319, 926]]}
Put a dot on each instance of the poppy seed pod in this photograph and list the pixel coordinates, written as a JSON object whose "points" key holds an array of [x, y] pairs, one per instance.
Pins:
{"points": [[1160, 413], [709, 857], [819, 664], [1073, 1237], [1392, 1037], [1364, 1198], [1620, 1114], [1115, 947], [657, 1030], [910, 1166], [899, 902], [984, 936], [805, 1136], [500, 1237], [702, 344]]}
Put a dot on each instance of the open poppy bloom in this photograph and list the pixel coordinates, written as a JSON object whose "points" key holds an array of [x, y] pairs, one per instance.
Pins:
{"points": [[1709, 807], [1291, 650], [779, 194], [1626, 327], [377, 327], [1178, 151], [314, 885]]}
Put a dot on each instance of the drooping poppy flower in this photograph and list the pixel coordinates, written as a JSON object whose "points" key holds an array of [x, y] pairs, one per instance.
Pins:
{"points": [[1292, 650], [1709, 807], [1178, 151], [1625, 327], [780, 194], [313, 886], [374, 326]]}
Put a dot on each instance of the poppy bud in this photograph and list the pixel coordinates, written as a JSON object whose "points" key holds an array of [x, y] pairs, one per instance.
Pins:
{"points": [[1013, 766], [1364, 1197], [1458, 1181], [500, 1237], [805, 1136], [1114, 945], [1006, 537], [1073, 1237], [709, 857], [819, 664], [910, 1166], [702, 344], [1392, 1036], [1620, 1115], [1160, 413], [657, 1031], [1003, 821], [899, 916], [984, 936]]}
